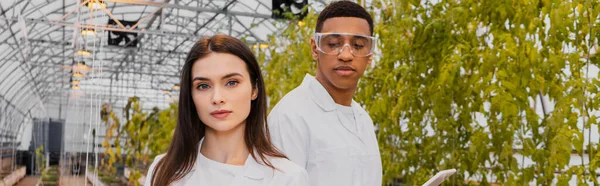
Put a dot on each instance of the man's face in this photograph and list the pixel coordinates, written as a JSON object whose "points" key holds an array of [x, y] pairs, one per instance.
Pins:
{"points": [[341, 71]]}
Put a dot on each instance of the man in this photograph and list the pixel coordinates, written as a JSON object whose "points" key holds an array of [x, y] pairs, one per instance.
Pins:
{"points": [[318, 125]]}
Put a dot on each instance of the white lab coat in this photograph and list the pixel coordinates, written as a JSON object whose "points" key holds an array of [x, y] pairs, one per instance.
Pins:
{"points": [[309, 128], [254, 174]]}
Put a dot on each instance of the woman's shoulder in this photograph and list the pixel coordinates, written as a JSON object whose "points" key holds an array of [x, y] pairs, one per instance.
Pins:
{"points": [[286, 166], [289, 173], [151, 170], [156, 160]]}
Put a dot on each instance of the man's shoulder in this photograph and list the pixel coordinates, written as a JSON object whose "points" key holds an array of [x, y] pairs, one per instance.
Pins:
{"points": [[294, 101]]}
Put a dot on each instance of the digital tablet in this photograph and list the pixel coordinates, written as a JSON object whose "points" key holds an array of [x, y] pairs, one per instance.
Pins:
{"points": [[440, 177]]}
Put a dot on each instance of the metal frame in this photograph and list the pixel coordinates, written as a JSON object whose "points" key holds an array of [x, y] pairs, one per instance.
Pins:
{"points": [[34, 73], [159, 56]]}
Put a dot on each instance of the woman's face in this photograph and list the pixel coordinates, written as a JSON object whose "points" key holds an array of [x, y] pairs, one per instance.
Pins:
{"points": [[222, 91]]}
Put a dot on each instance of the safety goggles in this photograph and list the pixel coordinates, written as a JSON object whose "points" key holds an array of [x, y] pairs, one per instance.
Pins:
{"points": [[334, 43]]}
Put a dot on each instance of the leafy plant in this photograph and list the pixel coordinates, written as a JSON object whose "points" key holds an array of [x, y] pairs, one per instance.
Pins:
{"points": [[40, 160], [287, 59], [457, 84], [113, 125], [162, 129], [146, 134]]}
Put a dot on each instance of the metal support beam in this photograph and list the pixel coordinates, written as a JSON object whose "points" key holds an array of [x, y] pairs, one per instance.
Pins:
{"points": [[146, 31], [191, 8]]}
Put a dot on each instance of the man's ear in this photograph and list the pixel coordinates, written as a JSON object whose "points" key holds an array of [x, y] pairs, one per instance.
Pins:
{"points": [[314, 51]]}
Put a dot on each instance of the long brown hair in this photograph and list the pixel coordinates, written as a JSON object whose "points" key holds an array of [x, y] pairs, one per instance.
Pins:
{"points": [[181, 155]]}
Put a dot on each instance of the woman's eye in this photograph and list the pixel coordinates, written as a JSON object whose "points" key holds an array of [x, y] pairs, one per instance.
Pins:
{"points": [[203, 86], [232, 83]]}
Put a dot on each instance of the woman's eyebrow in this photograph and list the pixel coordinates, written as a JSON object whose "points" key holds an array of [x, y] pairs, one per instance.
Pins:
{"points": [[224, 77]]}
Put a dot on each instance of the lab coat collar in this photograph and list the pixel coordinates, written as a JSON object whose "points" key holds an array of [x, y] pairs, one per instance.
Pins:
{"points": [[256, 170], [321, 97], [252, 169], [357, 108], [318, 93]]}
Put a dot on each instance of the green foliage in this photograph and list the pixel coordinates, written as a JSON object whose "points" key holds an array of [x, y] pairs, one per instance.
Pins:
{"points": [[136, 131], [149, 134], [107, 177], [162, 131], [456, 84], [112, 123], [40, 160], [146, 134], [290, 58], [50, 176]]}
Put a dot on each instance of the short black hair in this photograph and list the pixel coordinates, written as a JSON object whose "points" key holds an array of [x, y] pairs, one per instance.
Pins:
{"points": [[343, 9]]}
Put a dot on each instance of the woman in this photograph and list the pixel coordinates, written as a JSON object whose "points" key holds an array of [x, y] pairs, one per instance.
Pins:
{"points": [[221, 136]]}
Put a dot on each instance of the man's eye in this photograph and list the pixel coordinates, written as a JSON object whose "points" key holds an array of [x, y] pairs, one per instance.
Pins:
{"points": [[333, 45], [358, 46]]}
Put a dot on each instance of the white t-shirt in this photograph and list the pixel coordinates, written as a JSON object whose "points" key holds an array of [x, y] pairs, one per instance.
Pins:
{"points": [[313, 131], [348, 114], [252, 173]]}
